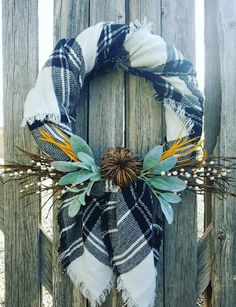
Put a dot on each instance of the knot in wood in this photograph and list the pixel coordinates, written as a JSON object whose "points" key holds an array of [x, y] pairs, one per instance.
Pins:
{"points": [[221, 234]]}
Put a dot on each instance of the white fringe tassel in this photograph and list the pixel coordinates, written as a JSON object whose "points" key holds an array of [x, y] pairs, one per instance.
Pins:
{"points": [[126, 297], [85, 290], [180, 112], [41, 117]]}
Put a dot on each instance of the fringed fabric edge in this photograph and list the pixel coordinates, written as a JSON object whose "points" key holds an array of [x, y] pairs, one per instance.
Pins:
{"points": [[126, 297], [85, 289], [54, 118]]}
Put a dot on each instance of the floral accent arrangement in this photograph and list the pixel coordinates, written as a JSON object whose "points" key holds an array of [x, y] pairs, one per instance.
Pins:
{"points": [[167, 172]]}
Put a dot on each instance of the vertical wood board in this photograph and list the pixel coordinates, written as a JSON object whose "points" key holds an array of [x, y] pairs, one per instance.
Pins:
{"points": [[144, 115], [213, 97], [106, 91], [70, 18], [106, 102], [20, 66], [113, 110], [180, 239], [224, 270]]}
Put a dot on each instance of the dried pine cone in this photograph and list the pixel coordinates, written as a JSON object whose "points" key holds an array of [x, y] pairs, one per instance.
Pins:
{"points": [[121, 166]]}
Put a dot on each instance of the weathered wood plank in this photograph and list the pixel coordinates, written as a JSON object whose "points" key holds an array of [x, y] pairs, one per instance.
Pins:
{"points": [[213, 100], [224, 228], [20, 66], [144, 115], [1, 205], [213, 97], [180, 245], [106, 94], [106, 101], [212, 77], [70, 18], [45, 261], [204, 261]]}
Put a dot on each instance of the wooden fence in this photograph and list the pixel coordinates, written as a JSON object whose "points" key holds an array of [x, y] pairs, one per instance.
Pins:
{"points": [[111, 102]]}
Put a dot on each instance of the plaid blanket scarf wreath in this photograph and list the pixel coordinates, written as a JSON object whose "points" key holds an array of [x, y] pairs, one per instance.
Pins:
{"points": [[118, 234]]}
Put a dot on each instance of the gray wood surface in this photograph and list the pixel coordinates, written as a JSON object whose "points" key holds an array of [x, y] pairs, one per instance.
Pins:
{"points": [[204, 261], [144, 115], [106, 91], [144, 120], [70, 18], [224, 227], [45, 261], [20, 65], [106, 102], [1, 204], [180, 245], [212, 77], [213, 97], [119, 110]]}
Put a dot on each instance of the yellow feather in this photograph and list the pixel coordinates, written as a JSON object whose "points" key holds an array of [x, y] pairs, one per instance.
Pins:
{"points": [[64, 145], [181, 148]]}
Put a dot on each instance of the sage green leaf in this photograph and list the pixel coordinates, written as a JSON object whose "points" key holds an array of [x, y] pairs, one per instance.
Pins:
{"points": [[95, 177], [74, 207], [82, 165], [89, 188], [82, 198], [83, 176], [171, 197], [78, 144], [167, 210], [152, 157], [64, 166], [95, 169], [68, 178], [165, 165], [168, 183], [86, 159], [75, 177], [73, 190]]}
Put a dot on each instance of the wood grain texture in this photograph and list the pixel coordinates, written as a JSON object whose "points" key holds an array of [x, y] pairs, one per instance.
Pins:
{"points": [[213, 100], [1, 205], [64, 293], [204, 261], [117, 113], [212, 77], [106, 91], [70, 18], [213, 97], [106, 101], [180, 244], [20, 66], [144, 115], [224, 228], [45, 261]]}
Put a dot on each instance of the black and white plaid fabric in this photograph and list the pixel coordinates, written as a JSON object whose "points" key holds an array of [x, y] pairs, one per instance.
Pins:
{"points": [[118, 233]]}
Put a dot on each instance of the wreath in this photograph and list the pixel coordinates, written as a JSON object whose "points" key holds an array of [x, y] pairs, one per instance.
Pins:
{"points": [[110, 226]]}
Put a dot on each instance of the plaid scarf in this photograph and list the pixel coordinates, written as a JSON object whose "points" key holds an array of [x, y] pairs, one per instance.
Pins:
{"points": [[118, 234]]}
